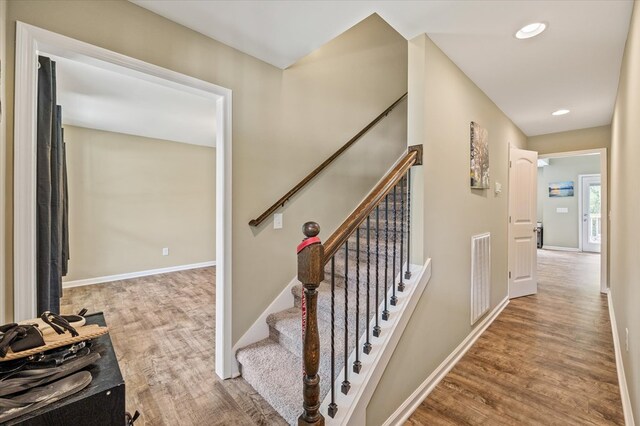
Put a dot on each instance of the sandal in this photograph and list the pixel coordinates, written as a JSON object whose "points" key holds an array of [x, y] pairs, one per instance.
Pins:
{"points": [[10, 408], [68, 335], [52, 323], [18, 338], [28, 379]]}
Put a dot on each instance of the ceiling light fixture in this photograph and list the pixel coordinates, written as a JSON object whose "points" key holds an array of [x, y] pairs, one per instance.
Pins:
{"points": [[561, 112], [531, 30]]}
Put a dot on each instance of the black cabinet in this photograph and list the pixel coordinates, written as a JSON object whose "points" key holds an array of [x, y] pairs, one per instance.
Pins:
{"points": [[100, 403]]}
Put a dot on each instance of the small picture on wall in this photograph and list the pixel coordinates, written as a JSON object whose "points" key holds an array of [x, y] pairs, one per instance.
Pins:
{"points": [[561, 189], [479, 157]]}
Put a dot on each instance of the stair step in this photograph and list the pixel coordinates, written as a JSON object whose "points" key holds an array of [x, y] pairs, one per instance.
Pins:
{"points": [[286, 328], [276, 374], [324, 301], [340, 268]]}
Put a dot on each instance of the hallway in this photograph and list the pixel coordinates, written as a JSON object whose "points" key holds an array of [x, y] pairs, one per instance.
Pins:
{"points": [[547, 359]]}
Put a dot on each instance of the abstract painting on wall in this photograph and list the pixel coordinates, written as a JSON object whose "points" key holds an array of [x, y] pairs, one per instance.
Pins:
{"points": [[479, 157], [561, 189]]}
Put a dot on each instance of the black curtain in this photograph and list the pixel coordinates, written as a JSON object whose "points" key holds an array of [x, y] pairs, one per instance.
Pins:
{"points": [[51, 193]]}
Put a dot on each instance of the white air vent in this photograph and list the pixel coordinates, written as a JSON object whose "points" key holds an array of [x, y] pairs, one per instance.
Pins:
{"points": [[480, 275]]}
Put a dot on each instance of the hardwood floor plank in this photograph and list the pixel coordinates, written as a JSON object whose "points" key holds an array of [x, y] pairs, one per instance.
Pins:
{"points": [[547, 359], [163, 331]]}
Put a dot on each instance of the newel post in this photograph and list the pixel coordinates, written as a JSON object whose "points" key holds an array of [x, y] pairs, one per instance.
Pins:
{"points": [[310, 274]]}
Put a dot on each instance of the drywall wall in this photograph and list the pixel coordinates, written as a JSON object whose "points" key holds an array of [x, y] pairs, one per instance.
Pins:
{"points": [[625, 204], [562, 229], [284, 124], [453, 213], [131, 196], [573, 140]]}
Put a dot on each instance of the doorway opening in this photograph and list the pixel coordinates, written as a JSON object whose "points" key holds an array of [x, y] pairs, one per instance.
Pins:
{"points": [[31, 42], [571, 216]]}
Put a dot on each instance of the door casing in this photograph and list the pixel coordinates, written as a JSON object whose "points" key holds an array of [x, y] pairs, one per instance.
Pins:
{"points": [[30, 41]]}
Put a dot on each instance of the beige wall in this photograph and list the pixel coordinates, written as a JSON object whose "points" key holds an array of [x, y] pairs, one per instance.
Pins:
{"points": [[446, 102], [573, 140], [131, 196], [625, 205], [562, 229], [284, 124]]}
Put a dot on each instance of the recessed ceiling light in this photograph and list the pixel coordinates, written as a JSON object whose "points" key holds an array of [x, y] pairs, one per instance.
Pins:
{"points": [[561, 112], [531, 30]]}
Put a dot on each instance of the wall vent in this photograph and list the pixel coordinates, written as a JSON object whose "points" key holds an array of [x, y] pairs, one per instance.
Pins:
{"points": [[480, 275]]}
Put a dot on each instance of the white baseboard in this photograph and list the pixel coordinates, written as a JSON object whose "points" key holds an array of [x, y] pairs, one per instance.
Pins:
{"points": [[128, 276], [559, 248], [411, 404], [622, 380], [259, 330]]}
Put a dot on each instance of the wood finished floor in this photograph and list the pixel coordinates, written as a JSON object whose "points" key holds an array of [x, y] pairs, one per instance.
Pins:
{"points": [[547, 359], [163, 328]]}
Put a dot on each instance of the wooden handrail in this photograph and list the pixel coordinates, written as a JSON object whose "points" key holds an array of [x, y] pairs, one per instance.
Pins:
{"points": [[375, 197], [257, 221]]}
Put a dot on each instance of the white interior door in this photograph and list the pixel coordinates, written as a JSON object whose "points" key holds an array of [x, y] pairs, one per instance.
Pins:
{"points": [[523, 255], [591, 222]]}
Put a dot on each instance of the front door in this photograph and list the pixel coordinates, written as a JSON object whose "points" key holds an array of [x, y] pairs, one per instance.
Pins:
{"points": [[523, 255], [590, 220]]}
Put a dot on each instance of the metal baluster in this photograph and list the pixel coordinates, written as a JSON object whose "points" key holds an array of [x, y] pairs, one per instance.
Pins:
{"points": [[345, 383], [357, 365], [385, 312], [376, 328], [367, 346], [394, 299], [333, 407], [402, 189], [407, 274]]}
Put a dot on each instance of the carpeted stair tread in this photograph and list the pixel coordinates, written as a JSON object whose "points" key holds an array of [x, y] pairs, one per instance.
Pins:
{"points": [[286, 326], [324, 301], [362, 267], [286, 329], [276, 374]]}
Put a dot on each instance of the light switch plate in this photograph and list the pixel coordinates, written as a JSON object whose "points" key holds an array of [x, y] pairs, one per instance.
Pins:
{"points": [[165, 251], [277, 221], [498, 188]]}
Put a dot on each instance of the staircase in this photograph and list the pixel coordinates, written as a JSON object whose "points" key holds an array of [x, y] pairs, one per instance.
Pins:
{"points": [[274, 366], [347, 290]]}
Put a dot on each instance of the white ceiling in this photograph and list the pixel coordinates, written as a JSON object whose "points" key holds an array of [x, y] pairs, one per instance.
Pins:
{"points": [[117, 100], [575, 64]]}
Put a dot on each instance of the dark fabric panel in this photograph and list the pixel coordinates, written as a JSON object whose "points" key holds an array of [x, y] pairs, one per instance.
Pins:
{"points": [[43, 192], [52, 203], [65, 212]]}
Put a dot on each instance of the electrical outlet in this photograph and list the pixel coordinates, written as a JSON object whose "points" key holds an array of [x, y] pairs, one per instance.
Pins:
{"points": [[626, 339], [277, 221], [165, 251]]}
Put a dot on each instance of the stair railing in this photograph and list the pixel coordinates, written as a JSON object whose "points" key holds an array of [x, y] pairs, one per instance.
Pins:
{"points": [[286, 197], [314, 256]]}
